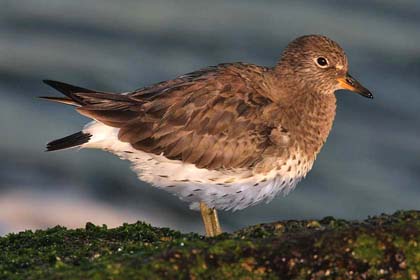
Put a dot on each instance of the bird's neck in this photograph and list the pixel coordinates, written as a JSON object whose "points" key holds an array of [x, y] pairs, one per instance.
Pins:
{"points": [[308, 114], [284, 90], [312, 116]]}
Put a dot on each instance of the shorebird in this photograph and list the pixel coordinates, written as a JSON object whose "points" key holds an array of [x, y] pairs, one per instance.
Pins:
{"points": [[224, 137]]}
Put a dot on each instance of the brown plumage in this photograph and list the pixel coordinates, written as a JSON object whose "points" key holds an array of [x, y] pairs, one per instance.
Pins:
{"points": [[230, 117]]}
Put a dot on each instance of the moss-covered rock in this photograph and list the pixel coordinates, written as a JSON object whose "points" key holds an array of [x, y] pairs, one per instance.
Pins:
{"points": [[384, 247]]}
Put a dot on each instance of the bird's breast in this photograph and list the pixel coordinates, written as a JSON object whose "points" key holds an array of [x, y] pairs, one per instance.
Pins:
{"points": [[311, 124]]}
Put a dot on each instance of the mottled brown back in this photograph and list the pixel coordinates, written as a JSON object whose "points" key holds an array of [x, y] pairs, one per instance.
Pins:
{"points": [[213, 118]]}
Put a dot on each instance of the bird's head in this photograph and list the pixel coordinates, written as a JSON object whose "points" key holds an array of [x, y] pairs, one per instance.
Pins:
{"points": [[319, 64]]}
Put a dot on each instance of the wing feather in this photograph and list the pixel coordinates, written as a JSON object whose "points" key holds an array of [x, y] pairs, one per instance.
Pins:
{"points": [[212, 118]]}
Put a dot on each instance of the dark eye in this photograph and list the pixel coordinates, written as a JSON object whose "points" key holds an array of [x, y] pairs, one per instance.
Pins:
{"points": [[321, 61]]}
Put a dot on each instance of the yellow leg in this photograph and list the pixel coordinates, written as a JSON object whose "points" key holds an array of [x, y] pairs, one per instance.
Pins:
{"points": [[215, 222], [206, 219], [210, 220]]}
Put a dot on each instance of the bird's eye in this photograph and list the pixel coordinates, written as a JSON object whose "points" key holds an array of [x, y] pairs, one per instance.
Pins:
{"points": [[322, 62]]}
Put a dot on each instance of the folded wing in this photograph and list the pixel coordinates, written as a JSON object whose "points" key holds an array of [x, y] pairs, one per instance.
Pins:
{"points": [[211, 118]]}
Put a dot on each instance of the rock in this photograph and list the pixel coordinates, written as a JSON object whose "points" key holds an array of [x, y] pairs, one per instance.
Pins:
{"points": [[383, 247]]}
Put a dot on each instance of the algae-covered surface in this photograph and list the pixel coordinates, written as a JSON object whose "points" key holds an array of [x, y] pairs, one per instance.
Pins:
{"points": [[383, 247]]}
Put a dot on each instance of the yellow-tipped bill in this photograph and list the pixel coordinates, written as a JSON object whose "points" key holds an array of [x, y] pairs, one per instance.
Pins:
{"points": [[349, 83]]}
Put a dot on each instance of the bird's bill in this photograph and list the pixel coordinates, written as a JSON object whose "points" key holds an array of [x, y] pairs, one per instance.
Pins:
{"points": [[349, 83]]}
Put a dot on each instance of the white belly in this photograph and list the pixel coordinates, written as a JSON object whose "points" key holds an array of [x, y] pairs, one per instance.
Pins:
{"points": [[227, 190]]}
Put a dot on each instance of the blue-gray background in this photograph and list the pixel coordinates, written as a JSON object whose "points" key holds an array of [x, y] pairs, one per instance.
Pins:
{"points": [[369, 165]]}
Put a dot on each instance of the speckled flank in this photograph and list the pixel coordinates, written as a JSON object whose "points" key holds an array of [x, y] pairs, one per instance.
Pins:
{"points": [[227, 189]]}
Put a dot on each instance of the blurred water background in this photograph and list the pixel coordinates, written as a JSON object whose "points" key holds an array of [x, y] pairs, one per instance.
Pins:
{"points": [[371, 161]]}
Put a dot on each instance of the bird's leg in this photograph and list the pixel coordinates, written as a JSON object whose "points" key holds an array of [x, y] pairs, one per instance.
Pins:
{"points": [[217, 229], [210, 220], [205, 214]]}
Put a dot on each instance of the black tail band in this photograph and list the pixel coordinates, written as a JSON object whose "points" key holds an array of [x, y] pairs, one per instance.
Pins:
{"points": [[70, 141]]}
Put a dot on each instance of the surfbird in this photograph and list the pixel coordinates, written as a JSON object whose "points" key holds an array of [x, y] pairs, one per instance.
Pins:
{"points": [[224, 137]]}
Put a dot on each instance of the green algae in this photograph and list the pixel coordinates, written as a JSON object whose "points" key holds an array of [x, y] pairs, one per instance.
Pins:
{"points": [[368, 249], [382, 247]]}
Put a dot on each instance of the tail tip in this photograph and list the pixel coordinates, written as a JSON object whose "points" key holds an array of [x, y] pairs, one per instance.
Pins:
{"points": [[49, 82], [70, 141]]}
